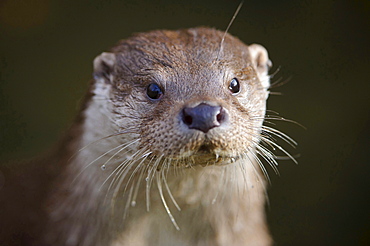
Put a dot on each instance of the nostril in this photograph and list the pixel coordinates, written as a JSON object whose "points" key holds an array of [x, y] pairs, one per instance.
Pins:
{"points": [[220, 117], [187, 119]]}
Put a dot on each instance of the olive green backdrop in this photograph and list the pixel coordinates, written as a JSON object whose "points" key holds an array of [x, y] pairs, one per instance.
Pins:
{"points": [[46, 53]]}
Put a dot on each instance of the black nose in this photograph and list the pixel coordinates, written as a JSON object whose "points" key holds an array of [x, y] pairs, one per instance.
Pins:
{"points": [[203, 117]]}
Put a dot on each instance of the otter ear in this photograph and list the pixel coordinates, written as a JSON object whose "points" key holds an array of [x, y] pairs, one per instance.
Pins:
{"points": [[104, 67], [260, 58]]}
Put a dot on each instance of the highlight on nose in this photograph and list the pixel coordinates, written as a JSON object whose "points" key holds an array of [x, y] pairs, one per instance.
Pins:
{"points": [[203, 117]]}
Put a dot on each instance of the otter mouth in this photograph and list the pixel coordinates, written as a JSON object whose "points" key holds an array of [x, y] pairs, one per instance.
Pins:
{"points": [[205, 149], [204, 159], [206, 156]]}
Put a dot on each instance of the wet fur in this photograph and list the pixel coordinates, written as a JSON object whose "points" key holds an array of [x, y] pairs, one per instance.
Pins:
{"points": [[130, 173]]}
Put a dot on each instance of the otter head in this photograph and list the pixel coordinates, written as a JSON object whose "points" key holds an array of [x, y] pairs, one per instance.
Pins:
{"points": [[185, 96]]}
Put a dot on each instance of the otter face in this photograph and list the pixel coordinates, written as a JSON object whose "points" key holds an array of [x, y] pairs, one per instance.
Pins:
{"points": [[189, 99]]}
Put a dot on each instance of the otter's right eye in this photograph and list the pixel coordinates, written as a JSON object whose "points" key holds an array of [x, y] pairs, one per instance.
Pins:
{"points": [[154, 91], [234, 86]]}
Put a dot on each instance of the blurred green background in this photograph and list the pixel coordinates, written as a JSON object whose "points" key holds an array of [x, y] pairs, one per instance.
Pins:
{"points": [[46, 53]]}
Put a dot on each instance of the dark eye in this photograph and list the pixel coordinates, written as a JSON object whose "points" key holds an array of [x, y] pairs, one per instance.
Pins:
{"points": [[154, 91], [234, 86]]}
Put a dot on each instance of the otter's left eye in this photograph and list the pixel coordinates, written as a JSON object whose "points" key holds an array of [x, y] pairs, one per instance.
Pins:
{"points": [[234, 86], [154, 91]]}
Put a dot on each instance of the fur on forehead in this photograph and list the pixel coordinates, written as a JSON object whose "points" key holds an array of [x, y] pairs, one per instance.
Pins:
{"points": [[174, 48], [184, 50]]}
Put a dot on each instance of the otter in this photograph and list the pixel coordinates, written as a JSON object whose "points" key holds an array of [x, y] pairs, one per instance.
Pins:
{"points": [[168, 149]]}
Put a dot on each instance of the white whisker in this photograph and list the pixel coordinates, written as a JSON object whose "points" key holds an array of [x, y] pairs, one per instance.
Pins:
{"points": [[159, 185], [281, 148], [128, 201], [262, 167], [281, 135], [268, 157], [168, 188], [149, 179], [96, 159], [115, 154], [143, 170]]}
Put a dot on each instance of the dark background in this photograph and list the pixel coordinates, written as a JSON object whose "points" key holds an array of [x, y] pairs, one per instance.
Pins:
{"points": [[46, 53]]}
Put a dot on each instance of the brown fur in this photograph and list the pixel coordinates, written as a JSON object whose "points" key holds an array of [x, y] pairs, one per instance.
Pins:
{"points": [[127, 149]]}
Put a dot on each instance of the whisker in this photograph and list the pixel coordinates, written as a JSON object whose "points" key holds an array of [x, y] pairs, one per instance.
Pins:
{"points": [[275, 93], [125, 168], [96, 159], [159, 185], [138, 166], [149, 179], [279, 83], [128, 202], [117, 172], [120, 176], [282, 149], [168, 188], [119, 166], [131, 143], [281, 135], [272, 75], [114, 172], [279, 118], [268, 157], [262, 167], [227, 29], [100, 139], [143, 170]]}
